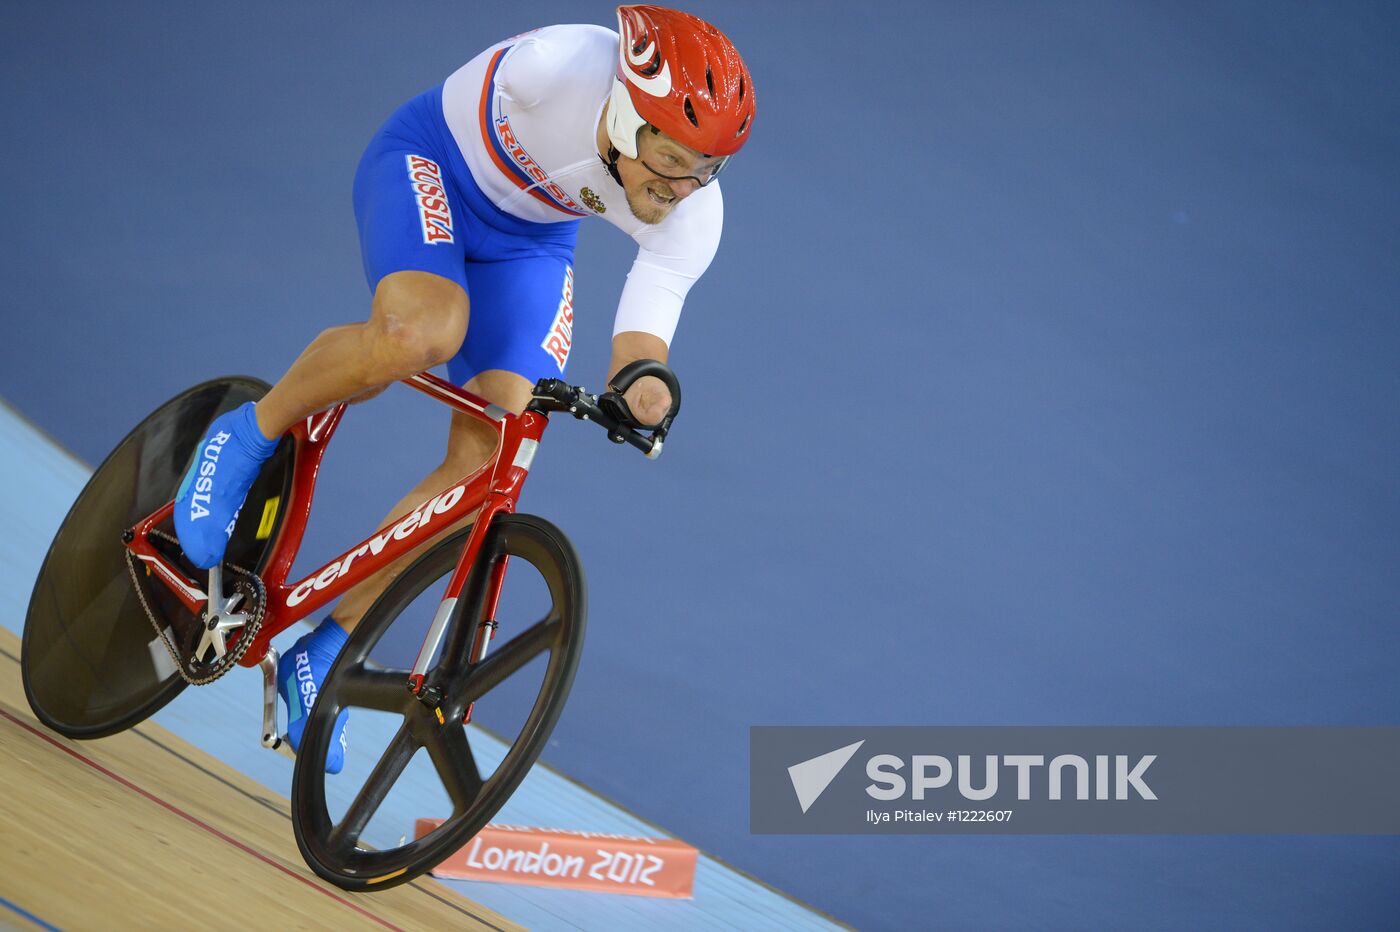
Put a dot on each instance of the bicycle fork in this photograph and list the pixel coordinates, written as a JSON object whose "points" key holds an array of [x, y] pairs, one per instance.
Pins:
{"points": [[486, 628]]}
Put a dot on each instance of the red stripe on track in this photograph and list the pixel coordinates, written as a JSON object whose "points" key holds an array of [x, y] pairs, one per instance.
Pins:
{"points": [[201, 824]]}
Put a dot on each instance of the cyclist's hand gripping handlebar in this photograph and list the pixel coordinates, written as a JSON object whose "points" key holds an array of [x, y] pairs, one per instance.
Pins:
{"points": [[610, 410]]}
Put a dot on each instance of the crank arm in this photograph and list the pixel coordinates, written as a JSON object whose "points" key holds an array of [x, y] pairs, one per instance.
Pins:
{"points": [[270, 737]]}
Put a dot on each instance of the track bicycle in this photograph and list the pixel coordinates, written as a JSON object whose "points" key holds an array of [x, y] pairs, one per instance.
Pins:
{"points": [[120, 622]]}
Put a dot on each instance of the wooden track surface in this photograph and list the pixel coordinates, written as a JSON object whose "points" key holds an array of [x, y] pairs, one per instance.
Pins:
{"points": [[143, 831]]}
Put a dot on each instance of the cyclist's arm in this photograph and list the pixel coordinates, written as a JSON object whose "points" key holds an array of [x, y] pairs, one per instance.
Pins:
{"points": [[673, 255]]}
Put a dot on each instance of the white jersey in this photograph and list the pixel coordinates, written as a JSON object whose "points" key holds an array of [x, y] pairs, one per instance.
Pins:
{"points": [[525, 115]]}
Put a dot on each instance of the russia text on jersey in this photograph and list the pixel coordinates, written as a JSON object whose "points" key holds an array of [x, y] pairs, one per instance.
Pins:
{"points": [[510, 156]]}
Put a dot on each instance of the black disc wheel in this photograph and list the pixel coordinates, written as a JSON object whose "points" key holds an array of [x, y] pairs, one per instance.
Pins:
{"points": [[92, 662], [414, 748]]}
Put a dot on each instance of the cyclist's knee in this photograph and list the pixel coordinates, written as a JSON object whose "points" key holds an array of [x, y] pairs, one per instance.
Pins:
{"points": [[418, 321]]}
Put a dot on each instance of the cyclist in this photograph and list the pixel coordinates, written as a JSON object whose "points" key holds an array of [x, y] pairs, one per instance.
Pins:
{"points": [[468, 202]]}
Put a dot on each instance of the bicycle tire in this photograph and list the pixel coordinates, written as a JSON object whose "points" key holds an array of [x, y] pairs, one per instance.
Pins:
{"points": [[333, 851], [91, 663]]}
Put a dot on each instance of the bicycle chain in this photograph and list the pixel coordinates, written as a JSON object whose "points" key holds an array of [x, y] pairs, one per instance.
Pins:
{"points": [[246, 635]]}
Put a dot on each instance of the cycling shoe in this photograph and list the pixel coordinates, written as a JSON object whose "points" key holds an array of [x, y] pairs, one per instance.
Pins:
{"points": [[300, 673], [212, 492]]}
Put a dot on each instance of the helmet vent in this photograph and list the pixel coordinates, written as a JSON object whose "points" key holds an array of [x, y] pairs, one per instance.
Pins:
{"points": [[654, 64], [690, 114], [710, 82], [740, 131], [741, 88]]}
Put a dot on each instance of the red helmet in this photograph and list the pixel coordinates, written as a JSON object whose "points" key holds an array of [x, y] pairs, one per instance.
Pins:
{"points": [[681, 75]]}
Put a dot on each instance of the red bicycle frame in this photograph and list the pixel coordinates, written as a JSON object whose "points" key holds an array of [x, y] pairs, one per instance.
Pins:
{"points": [[494, 488]]}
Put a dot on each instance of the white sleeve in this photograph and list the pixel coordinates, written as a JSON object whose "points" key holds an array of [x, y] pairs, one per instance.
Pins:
{"points": [[673, 255]]}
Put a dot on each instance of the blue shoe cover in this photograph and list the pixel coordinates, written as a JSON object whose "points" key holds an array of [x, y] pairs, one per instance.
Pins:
{"points": [[300, 673], [212, 492]]}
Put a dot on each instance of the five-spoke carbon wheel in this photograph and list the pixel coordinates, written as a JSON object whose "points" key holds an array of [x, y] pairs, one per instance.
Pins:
{"points": [[551, 634], [92, 663]]}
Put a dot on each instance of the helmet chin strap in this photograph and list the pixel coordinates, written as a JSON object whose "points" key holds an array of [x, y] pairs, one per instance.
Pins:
{"points": [[611, 164], [611, 161]]}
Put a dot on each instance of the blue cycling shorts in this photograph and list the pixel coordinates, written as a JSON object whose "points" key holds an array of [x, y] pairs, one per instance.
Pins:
{"points": [[418, 208]]}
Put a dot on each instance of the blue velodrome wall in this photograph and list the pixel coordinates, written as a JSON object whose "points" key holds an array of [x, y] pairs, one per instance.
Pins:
{"points": [[1046, 374]]}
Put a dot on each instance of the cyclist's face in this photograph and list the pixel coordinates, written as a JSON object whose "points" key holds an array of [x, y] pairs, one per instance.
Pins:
{"points": [[663, 174], [668, 159]]}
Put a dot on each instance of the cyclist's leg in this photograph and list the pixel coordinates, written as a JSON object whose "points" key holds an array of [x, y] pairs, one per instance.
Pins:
{"points": [[414, 258], [519, 304], [469, 444], [521, 332], [417, 320], [413, 238], [414, 233]]}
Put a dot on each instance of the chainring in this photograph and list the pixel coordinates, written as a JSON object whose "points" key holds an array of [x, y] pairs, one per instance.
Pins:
{"points": [[181, 630]]}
